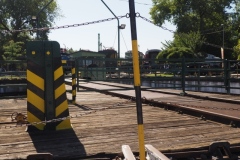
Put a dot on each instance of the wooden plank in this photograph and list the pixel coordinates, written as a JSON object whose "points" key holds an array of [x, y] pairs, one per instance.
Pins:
{"points": [[106, 130]]}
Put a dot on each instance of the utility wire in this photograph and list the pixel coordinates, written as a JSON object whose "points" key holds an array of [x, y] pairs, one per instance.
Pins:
{"points": [[212, 29], [114, 40], [124, 41], [138, 3], [212, 32]]}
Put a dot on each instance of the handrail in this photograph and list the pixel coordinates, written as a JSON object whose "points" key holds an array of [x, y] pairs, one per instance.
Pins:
{"points": [[154, 154], [127, 152]]}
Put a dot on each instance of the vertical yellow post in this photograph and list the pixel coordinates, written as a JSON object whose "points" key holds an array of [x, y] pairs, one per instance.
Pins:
{"points": [[73, 82], [137, 83]]}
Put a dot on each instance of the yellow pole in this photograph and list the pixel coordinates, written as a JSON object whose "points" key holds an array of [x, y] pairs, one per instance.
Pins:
{"points": [[137, 83]]}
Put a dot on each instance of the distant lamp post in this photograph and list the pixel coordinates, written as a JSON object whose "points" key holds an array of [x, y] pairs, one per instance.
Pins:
{"points": [[34, 21], [222, 50], [35, 18], [122, 27]]}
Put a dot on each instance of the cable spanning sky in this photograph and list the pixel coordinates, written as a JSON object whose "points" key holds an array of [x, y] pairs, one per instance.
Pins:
{"points": [[86, 37]]}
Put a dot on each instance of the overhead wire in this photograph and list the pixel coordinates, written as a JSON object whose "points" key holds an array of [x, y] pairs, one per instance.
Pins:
{"points": [[103, 20], [114, 40], [212, 32], [138, 2], [124, 41]]}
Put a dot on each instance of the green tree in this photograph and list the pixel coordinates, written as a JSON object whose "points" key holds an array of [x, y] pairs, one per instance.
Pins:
{"points": [[175, 52], [237, 51], [184, 44], [191, 40], [70, 50], [17, 14], [13, 50], [205, 16], [191, 15]]}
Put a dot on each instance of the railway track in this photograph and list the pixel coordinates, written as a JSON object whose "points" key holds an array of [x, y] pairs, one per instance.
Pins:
{"points": [[219, 109], [216, 107], [103, 121]]}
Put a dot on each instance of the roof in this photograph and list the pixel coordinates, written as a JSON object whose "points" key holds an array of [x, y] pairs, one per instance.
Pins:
{"points": [[86, 54]]}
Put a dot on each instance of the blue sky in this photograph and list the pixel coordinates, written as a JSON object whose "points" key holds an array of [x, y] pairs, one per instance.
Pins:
{"points": [[86, 37]]}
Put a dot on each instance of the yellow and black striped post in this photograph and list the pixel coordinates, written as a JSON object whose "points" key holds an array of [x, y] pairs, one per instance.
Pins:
{"points": [[137, 83], [35, 87], [46, 93], [73, 82]]}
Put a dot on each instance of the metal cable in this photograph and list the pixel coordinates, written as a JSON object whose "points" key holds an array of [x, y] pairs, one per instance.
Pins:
{"points": [[65, 26], [68, 117]]}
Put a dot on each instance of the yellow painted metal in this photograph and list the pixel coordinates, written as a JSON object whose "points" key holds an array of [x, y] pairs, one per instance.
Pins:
{"points": [[73, 81], [74, 92], [64, 61], [135, 55], [60, 90], [33, 118], [141, 142], [58, 73], [35, 79], [73, 70], [137, 84], [35, 100], [61, 108], [64, 125]]}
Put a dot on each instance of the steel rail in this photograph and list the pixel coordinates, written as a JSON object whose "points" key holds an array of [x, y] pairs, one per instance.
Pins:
{"points": [[180, 108]]}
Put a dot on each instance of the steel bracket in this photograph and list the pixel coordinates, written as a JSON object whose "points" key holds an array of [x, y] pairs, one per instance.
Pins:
{"points": [[220, 151]]}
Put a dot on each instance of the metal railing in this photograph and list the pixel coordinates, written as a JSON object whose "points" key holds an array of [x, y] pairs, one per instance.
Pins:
{"points": [[183, 74], [13, 77]]}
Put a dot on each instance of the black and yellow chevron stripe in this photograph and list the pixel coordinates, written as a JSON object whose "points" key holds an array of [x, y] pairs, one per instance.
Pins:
{"points": [[46, 93], [61, 104], [73, 83], [35, 94]]}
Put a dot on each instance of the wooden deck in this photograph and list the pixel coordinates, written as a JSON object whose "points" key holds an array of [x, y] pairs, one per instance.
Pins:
{"points": [[102, 124]]}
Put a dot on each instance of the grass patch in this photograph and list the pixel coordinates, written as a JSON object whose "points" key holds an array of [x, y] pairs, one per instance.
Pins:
{"points": [[159, 75], [12, 77]]}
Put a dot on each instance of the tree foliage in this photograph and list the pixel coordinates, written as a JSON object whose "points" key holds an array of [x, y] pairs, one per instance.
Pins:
{"points": [[184, 45], [70, 50], [17, 14], [13, 50], [211, 18], [190, 15], [237, 51], [191, 40], [176, 52]]}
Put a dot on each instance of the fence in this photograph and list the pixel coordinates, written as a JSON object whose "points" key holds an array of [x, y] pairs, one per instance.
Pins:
{"points": [[13, 77], [183, 74]]}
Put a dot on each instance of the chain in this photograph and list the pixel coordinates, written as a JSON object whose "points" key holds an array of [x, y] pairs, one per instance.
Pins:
{"points": [[65, 26], [68, 117], [138, 15], [99, 21]]}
